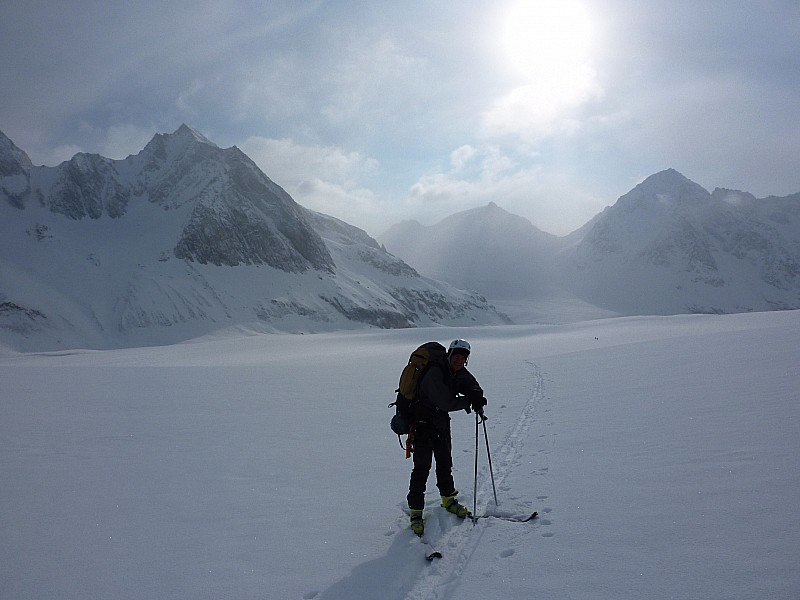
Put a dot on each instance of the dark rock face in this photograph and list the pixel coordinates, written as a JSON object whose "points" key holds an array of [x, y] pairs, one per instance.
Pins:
{"points": [[234, 235], [13, 161], [239, 216], [15, 168], [89, 186]]}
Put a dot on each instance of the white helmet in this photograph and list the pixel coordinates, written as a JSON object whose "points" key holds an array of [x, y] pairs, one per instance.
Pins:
{"points": [[459, 347]]}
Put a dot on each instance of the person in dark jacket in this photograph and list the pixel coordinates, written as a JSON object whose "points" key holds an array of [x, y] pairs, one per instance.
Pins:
{"points": [[445, 387]]}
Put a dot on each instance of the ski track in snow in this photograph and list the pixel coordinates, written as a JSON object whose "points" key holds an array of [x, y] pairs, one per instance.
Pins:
{"points": [[459, 541], [403, 573]]}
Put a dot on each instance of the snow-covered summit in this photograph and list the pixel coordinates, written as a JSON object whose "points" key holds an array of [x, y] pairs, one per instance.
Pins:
{"points": [[184, 131], [670, 246], [665, 187], [183, 144], [487, 249]]}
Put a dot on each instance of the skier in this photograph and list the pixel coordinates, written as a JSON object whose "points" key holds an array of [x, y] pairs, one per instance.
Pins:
{"points": [[445, 387]]}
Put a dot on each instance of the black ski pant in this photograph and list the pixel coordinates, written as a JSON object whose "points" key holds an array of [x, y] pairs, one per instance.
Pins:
{"points": [[431, 442]]}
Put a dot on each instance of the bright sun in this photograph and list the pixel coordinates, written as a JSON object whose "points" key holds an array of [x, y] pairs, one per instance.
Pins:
{"points": [[548, 41], [549, 45]]}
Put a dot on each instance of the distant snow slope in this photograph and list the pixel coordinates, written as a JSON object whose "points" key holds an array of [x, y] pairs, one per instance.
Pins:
{"points": [[500, 255]]}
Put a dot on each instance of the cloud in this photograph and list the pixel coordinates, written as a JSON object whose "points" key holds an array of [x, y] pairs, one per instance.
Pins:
{"points": [[290, 163], [120, 141], [531, 112], [322, 178], [551, 200], [58, 155], [718, 128], [405, 111], [369, 80], [461, 156], [115, 142], [356, 206]]}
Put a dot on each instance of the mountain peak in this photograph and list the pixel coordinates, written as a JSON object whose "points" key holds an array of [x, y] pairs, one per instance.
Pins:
{"points": [[170, 146], [669, 173], [187, 133], [665, 188], [670, 180], [492, 217]]}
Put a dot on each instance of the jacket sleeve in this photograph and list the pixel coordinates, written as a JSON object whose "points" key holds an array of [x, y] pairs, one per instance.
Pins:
{"points": [[448, 394], [468, 387]]}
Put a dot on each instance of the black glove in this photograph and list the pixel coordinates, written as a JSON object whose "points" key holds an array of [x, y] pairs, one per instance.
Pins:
{"points": [[478, 403]]}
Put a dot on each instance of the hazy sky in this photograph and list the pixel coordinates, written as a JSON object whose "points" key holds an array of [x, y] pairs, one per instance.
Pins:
{"points": [[378, 111]]}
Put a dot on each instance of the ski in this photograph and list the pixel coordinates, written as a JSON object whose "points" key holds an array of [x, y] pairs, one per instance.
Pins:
{"points": [[530, 517], [430, 551], [429, 556]]}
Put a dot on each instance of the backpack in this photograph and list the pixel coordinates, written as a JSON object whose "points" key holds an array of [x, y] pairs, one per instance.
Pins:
{"points": [[418, 364]]}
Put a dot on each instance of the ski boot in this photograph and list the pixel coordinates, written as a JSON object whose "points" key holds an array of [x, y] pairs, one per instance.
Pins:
{"points": [[417, 524], [451, 504]]}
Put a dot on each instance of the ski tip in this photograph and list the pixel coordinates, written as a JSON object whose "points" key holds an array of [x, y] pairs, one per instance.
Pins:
{"points": [[532, 516], [432, 555]]}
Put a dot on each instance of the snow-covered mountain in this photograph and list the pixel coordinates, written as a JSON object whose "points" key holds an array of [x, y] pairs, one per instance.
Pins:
{"points": [[485, 249], [666, 247], [183, 239], [669, 246]]}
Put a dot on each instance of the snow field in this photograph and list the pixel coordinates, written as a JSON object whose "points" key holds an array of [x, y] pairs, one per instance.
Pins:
{"points": [[661, 454]]}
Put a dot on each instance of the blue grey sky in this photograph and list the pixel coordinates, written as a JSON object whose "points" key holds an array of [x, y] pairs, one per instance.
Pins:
{"points": [[379, 111]]}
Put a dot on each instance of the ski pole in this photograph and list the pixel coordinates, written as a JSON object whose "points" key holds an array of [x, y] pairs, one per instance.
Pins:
{"points": [[489, 454], [475, 487]]}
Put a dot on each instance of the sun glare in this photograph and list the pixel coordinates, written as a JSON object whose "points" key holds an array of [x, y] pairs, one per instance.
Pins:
{"points": [[548, 45], [547, 40]]}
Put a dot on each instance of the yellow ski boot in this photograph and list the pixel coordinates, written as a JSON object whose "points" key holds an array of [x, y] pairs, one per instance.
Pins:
{"points": [[417, 524], [451, 504]]}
